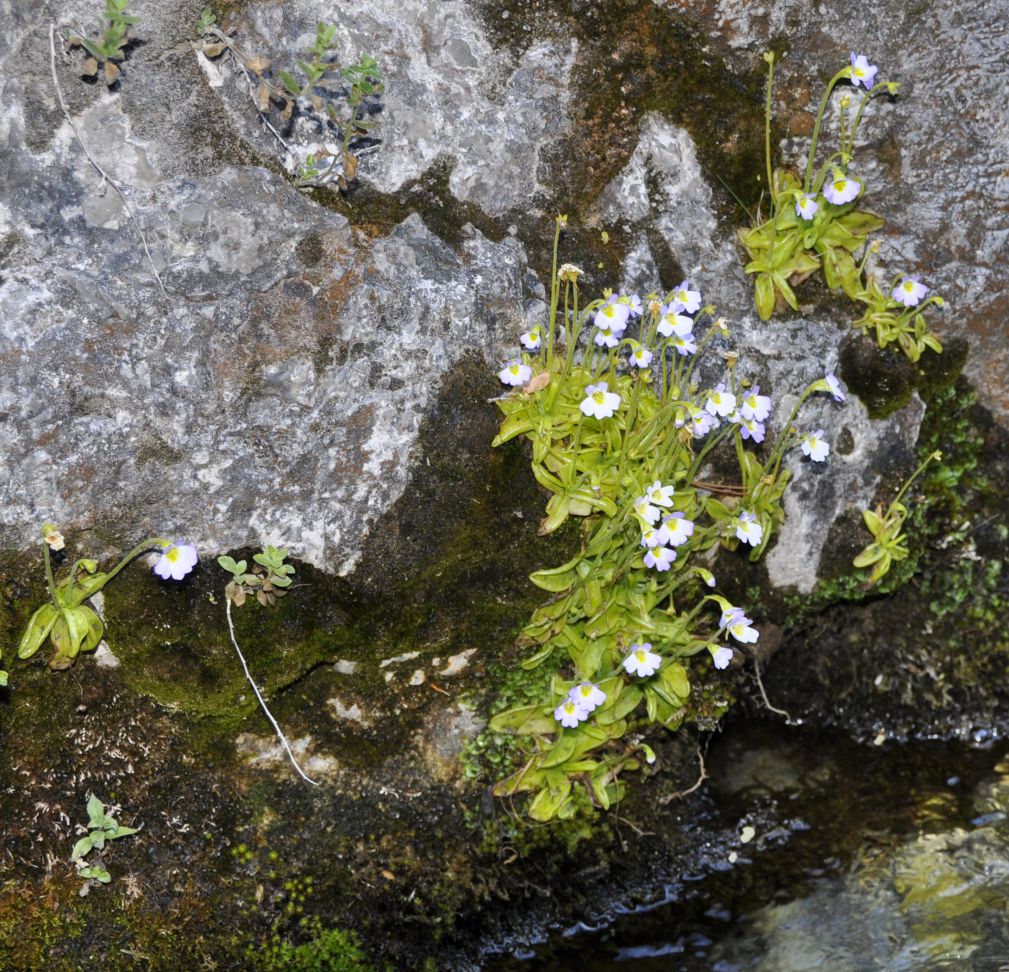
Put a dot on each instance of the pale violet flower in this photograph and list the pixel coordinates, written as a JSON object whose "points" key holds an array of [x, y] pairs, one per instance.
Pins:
{"points": [[600, 402], [684, 344], [739, 626], [678, 530], [748, 529], [749, 428], [660, 495], [814, 446], [587, 696], [569, 714], [644, 509], [841, 189], [909, 291], [515, 373], [641, 357], [753, 405], [834, 387], [532, 339], [613, 316], [720, 402], [176, 560], [699, 421], [686, 299], [632, 302], [673, 323], [721, 655], [862, 72], [806, 207], [651, 537], [661, 558], [642, 661], [606, 338]]}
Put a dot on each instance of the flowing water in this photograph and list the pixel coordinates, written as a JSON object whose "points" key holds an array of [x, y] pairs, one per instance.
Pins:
{"points": [[891, 858]]}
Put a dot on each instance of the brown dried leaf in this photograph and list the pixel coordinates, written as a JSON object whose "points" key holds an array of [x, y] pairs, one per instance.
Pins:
{"points": [[262, 598], [537, 382], [288, 109], [349, 166], [257, 65], [111, 73], [90, 67], [214, 48], [263, 97]]}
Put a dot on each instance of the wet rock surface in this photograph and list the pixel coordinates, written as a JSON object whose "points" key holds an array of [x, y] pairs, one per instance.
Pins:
{"points": [[316, 373]]}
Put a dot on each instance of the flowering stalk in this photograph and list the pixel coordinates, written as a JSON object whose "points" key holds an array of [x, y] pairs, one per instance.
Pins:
{"points": [[843, 73]]}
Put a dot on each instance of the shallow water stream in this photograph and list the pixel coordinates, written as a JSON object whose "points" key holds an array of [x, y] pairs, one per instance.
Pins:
{"points": [[861, 858]]}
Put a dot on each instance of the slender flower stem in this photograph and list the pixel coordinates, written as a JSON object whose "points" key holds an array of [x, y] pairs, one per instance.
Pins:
{"points": [[262, 702], [767, 127], [135, 552], [554, 286], [843, 73], [914, 476], [49, 573]]}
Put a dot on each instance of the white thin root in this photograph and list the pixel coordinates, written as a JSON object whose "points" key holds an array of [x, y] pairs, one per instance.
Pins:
{"points": [[262, 702], [763, 694], [106, 178]]}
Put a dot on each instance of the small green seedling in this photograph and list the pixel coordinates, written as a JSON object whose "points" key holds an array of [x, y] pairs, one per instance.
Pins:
{"points": [[889, 543], [108, 50], [100, 828], [207, 19], [267, 580], [314, 70]]}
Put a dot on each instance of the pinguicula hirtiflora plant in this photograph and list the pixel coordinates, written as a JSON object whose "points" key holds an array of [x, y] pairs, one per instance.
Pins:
{"points": [[269, 578], [107, 51], [889, 544], [310, 89], [815, 222], [620, 434], [70, 624], [101, 828]]}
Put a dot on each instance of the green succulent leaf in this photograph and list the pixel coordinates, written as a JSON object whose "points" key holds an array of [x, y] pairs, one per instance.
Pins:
{"points": [[39, 627]]}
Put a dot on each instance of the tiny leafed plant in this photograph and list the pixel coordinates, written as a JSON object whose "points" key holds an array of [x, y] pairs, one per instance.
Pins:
{"points": [[100, 829], [620, 435], [889, 544], [267, 580], [107, 51], [66, 621], [815, 223], [312, 88]]}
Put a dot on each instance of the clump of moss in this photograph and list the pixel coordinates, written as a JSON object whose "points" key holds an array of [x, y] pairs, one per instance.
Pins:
{"points": [[327, 950]]}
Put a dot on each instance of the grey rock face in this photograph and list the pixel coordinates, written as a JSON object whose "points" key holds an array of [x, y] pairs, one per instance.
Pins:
{"points": [[448, 92], [275, 392]]}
